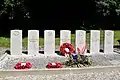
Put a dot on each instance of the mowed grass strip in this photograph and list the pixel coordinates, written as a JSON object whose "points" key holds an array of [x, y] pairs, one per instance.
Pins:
{"points": [[5, 42]]}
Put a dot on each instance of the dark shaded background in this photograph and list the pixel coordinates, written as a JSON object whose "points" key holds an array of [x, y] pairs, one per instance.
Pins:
{"points": [[59, 16]]}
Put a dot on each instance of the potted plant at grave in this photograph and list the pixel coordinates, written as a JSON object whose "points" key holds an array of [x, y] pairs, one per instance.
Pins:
{"points": [[78, 59]]}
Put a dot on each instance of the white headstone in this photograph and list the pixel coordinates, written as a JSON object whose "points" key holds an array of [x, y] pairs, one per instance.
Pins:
{"points": [[94, 41], [80, 39], [16, 42], [108, 41], [33, 42], [65, 36], [49, 42]]}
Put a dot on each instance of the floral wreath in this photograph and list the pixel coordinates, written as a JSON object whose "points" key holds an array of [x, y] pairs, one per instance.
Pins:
{"points": [[22, 65], [66, 48], [54, 65]]}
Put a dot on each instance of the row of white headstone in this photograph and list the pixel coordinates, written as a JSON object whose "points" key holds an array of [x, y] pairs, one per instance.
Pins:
{"points": [[65, 36]]}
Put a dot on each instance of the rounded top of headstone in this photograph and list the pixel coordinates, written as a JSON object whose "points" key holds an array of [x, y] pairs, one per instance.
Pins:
{"points": [[65, 30], [80, 30], [49, 30], [33, 30]]}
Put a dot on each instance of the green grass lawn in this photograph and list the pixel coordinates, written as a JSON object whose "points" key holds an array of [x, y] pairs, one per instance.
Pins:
{"points": [[5, 42]]}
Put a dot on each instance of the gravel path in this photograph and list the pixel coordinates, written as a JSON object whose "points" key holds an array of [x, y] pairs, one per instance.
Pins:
{"points": [[111, 75]]}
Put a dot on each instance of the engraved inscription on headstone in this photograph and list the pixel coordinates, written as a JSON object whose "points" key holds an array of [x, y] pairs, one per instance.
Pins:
{"points": [[94, 41], [49, 42], [16, 42], [33, 42], [109, 33], [50, 33], [16, 33], [108, 41], [95, 38], [80, 39], [48, 36], [33, 39], [65, 36], [80, 32]]}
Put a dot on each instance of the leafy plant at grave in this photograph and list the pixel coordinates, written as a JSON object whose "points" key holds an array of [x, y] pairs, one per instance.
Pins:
{"points": [[77, 59], [81, 60]]}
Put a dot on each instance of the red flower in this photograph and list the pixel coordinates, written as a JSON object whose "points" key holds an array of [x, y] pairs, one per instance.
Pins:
{"points": [[18, 66], [21, 65], [28, 65], [66, 48], [81, 51], [54, 65], [59, 65]]}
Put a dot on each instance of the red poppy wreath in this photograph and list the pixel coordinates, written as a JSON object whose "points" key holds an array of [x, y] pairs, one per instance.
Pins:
{"points": [[66, 48], [54, 65], [21, 65]]}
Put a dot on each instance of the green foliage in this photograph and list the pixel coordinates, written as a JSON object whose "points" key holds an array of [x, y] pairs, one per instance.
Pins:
{"points": [[11, 6], [102, 6], [81, 60], [106, 6], [4, 42]]}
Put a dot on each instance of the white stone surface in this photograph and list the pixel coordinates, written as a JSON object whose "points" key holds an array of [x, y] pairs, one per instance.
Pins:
{"points": [[94, 41], [33, 42], [108, 41], [65, 36], [16, 42], [23, 64], [49, 42], [67, 50], [80, 39], [53, 63]]}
